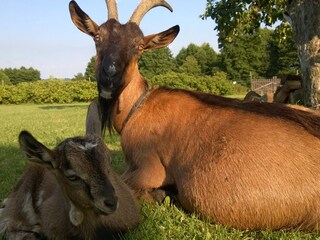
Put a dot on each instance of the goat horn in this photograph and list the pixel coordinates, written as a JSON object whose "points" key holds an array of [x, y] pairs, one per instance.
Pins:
{"points": [[112, 9], [145, 6]]}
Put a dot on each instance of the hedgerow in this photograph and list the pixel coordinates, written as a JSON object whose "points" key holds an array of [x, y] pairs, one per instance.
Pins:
{"points": [[217, 84], [51, 91], [60, 91]]}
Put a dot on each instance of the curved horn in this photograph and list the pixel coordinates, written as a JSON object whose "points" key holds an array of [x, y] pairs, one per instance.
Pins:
{"points": [[112, 9], [145, 6]]}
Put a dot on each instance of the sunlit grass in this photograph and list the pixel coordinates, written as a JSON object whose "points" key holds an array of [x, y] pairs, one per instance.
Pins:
{"points": [[52, 123]]}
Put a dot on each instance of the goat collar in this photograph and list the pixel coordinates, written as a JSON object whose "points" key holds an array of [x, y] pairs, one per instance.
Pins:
{"points": [[135, 107]]}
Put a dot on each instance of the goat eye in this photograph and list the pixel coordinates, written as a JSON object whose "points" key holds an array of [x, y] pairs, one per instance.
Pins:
{"points": [[73, 178]]}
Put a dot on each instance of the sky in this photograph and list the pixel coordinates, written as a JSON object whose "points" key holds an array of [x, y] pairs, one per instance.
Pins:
{"points": [[40, 33]]}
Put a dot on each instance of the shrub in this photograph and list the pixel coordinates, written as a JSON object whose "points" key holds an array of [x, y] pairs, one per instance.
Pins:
{"points": [[60, 91], [51, 91], [217, 84]]}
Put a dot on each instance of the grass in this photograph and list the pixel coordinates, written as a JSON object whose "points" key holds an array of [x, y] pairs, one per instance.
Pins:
{"points": [[52, 123]]}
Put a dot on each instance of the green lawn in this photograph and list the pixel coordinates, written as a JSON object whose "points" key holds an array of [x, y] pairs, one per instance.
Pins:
{"points": [[52, 123]]}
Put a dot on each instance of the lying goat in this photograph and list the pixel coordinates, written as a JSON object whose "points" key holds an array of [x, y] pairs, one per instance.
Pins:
{"points": [[70, 193]]}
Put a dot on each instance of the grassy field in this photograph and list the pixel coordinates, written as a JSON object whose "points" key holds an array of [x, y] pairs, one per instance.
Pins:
{"points": [[52, 123]]}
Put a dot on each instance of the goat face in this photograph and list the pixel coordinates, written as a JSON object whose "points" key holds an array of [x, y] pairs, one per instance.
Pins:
{"points": [[82, 168], [119, 46]]}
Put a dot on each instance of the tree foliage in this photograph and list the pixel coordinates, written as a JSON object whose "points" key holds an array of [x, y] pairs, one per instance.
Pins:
{"points": [[258, 55], [191, 66], [48, 91], [4, 79], [90, 73], [217, 84], [78, 76], [156, 62], [302, 17], [205, 56], [233, 18], [22, 74], [284, 56]]}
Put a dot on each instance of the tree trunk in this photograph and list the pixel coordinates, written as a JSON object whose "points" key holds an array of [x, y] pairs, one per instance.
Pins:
{"points": [[305, 17]]}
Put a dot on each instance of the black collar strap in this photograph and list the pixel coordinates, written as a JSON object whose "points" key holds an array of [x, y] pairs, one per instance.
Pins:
{"points": [[135, 108]]}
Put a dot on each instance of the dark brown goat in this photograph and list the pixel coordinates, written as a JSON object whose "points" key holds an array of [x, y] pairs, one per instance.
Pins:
{"points": [[247, 165], [70, 193]]}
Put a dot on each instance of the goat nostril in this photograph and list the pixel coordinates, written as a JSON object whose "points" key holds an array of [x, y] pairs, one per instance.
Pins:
{"points": [[111, 203], [110, 70]]}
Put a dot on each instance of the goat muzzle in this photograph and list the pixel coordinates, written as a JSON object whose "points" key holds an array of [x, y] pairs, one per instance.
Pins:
{"points": [[108, 205]]}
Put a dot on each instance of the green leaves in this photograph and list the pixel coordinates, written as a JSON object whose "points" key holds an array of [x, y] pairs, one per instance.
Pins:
{"points": [[217, 84], [236, 17], [52, 91], [156, 62], [22, 74], [90, 73], [259, 55]]}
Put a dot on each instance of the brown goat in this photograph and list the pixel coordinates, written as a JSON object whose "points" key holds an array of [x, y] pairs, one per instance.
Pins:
{"points": [[70, 192], [247, 165]]}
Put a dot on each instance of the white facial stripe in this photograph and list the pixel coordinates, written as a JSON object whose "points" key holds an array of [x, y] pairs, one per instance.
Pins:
{"points": [[87, 146]]}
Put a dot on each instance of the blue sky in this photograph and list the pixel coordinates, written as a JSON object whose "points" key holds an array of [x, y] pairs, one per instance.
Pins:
{"points": [[40, 33]]}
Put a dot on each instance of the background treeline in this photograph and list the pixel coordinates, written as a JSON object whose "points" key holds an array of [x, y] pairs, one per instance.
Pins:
{"points": [[15, 75], [258, 55]]}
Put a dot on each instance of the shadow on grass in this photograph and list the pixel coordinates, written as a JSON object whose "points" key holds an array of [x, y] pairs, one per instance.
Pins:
{"points": [[84, 106], [12, 165]]}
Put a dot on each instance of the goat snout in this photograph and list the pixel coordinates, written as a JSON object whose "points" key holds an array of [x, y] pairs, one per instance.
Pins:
{"points": [[111, 203], [108, 205], [110, 70]]}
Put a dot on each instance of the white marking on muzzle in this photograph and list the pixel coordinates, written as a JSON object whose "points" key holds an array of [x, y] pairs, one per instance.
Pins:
{"points": [[105, 94]]}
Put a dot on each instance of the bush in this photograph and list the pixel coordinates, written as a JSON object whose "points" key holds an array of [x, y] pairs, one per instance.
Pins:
{"points": [[59, 91], [52, 91], [217, 84]]}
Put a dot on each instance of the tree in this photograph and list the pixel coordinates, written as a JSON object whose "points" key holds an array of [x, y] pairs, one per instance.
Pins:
{"points": [[206, 57], [4, 79], [248, 55], [259, 55], [90, 73], [284, 56], [78, 76], [191, 50], [22, 75], [235, 16], [191, 66], [156, 62]]}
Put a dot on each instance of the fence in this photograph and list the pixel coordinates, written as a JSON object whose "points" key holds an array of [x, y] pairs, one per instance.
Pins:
{"points": [[263, 86]]}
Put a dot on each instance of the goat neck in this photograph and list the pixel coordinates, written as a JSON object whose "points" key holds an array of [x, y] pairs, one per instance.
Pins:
{"points": [[127, 99]]}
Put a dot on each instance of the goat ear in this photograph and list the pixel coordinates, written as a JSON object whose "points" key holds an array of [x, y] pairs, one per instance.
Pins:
{"points": [[93, 120], [34, 150], [162, 39], [82, 20]]}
